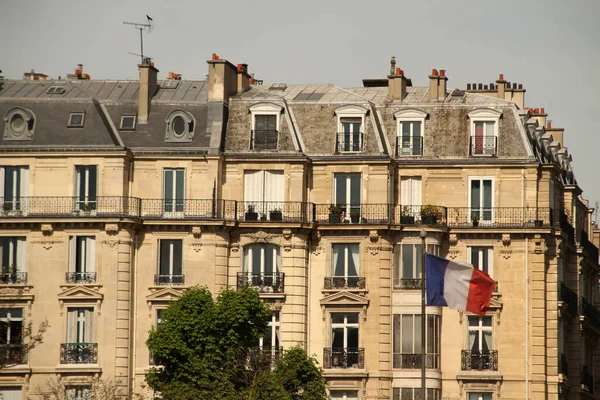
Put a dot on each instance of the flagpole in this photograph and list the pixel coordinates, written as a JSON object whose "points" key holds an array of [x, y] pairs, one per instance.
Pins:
{"points": [[423, 235]]}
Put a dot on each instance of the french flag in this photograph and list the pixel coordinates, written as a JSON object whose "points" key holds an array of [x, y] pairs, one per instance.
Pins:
{"points": [[457, 285]]}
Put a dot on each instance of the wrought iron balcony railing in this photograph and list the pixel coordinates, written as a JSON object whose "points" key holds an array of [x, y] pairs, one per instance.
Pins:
{"points": [[81, 277], [352, 213], [344, 282], [563, 366], [273, 211], [264, 283], [343, 357], [349, 142], [79, 353], [483, 145], [409, 145], [587, 379], [169, 280], [413, 361], [591, 313], [407, 284], [13, 278], [195, 209], [472, 360], [264, 140], [70, 206], [568, 297], [420, 215], [500, 217], [11, 354]]}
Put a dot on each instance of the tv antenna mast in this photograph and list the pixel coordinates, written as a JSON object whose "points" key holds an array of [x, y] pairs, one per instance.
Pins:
{"points": [[148, 27]]}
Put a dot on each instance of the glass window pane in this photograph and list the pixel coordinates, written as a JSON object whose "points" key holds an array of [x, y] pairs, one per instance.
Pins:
{"points": [[337, 318], [486, 321], [340, 188], [352, 318], [355, 189], [256, 259], [352, 342], [407, 262], [337, 341], [407, 334], [475, 193], [418, 259]]}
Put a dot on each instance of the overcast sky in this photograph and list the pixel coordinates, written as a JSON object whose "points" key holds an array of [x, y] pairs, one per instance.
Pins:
{"points": [[551, 47]]}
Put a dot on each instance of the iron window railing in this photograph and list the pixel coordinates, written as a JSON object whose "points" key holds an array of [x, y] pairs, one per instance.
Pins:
{"points": [[264, 140], [352, 213], [414, 361], [264, 283], [273, 211], [568, 297], [79, 353], [195, 209], [343, 357], [344, 282], [81, 277], [506, 217], [349, 142], [407, 284], [71, 206], [420, 215], [169, 280], [483, 145], [409, 145], [13, 278], [13, 354], [472, 360], [591, 313]]}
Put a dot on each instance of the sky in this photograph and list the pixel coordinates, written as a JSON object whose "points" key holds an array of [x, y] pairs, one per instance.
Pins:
{"points": [[552, 47]]}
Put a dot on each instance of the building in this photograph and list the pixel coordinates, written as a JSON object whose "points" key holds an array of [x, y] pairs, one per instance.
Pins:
{"points": [[120, 194]]}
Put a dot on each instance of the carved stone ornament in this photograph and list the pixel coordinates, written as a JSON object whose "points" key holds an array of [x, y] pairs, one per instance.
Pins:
{"points": [[505, 251], [316, 242], [452, 250], [197, 232], [259, 237], [374, 247], [196, 246], [234, 243], [47, 245], [539, 245], [287, 237], [47, 229], [112, 244], [453, 239], [111, 229]]}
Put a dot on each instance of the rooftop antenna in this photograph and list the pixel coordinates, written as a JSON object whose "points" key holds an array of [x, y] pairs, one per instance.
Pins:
{"points": [[148, 27]]}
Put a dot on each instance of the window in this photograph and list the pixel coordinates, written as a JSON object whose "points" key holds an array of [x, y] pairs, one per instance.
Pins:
{"points": [[343, 395], [55, 90], [347, 194], [159, 317], [19, 124], [127, 123], [12, 350], [270, 342], [78, 393], [76, 120], [484, 132], [345, 352], [11, 393], [410, 129], [415, 394], [480, 396], [408, 264], [173, 192], [264, 195], [410, 199], [407, 341], [350, 137], [82, 259], [14, 183], [481, 199], [265, 126], [80, 325], [482, 258], [261, 268], [86, 187], [180, 127], [13, 251], [170, 268], [345, 267], [480, 355]]}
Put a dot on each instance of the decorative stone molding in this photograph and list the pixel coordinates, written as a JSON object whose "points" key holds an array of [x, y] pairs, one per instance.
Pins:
{"points": [[287, 237], [196, 247], [453, 239], [234, 242], [452, 250], [111, 244], [197, 232], [80, 295], [111, 229], [559, 247], [47, 245], [505, 250], [317, 248], [374, 247], [538, 245], [162, 296], [258, 237], [47, 229]]}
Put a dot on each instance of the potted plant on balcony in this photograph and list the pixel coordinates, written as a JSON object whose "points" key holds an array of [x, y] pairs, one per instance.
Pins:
{"points": [[406, 218], [538, 223], [251, 215], [87, 209], [335, 214], [475, 219], [355, 216], [429, 214], [276, 215]]}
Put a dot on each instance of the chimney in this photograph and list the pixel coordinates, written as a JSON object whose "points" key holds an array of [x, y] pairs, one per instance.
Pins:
{"points": [[147, 88], [540, 115], [501, 86], [222, 79], [442, 83], [396, 82], [433, 85], [243, 78]]}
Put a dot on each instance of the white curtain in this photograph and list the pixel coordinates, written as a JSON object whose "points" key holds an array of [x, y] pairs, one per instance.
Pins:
{"points": [[72, 315], [88, 329], [273, 189], [8, 393], [410, 191], [72, 253], [21, 254], [24, 189], [90, 254], [355, 254], [334, 266], [2, 183]]}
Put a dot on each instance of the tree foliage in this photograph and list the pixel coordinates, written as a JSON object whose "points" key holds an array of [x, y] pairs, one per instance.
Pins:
{"points": [[207, 349]]}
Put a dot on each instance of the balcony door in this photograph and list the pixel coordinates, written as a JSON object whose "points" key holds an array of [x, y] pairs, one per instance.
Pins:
{"points": [[410, 199], [270, 342], [344, 339], [14, 182], [261, 267], [82, 259], [264, 193], [173, 192], [80, 325], [347, 193], [13, 250], [11, 335], [170, 269], [481, 201], [86, 187], [345, 265], [351, 134]]}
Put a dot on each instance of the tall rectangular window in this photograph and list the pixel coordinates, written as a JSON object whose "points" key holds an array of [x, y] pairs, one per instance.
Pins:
{"points": [[482, 258], [410, 138], [480, 396], [80, 325], [481, 199], [483, 141], [271, 341], [407, 260], [345, 267], [170, 267], [347, 193], [350, 138], [13, 251], [82, 259], [14, 183], [265, 132], [78, 393], [86, 186], [11, 336], [264, 193], [173, 192], [480, 355], [345, 352], [407, 341], [410, 199], [343, 394]]}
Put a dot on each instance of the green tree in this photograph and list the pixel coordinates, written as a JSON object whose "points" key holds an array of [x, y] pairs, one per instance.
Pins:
{"points": [[207, 349]]}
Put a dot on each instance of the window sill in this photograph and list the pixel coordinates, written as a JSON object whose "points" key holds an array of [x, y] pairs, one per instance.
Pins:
{"points": [[345, 373], [78, 368]]}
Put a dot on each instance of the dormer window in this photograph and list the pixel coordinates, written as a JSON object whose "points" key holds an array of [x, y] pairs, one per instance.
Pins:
{"points": [[76, 120], [410, 132], [127, 123], [350, 129], [180, 127], [266, 119], [19, 124], [484, 132]]}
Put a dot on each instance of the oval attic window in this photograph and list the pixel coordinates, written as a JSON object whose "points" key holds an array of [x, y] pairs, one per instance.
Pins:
{"points": [[17, 123], [179, 126]]}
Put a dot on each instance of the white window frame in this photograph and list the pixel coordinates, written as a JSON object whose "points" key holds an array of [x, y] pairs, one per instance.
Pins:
{"points": [[347, 206], [88, 199], [481, 209], [345, 325], [71, 115], [274, 331], [484, 115], [171, 256], [343, 394], [351, 111], [410, 115], [266, 109], [9, 318], [121, 128], [480, 329], [174, 205], [20, 189], [480, 395], [17, 248], [83, 327], [87, 255], [416, 336], [347, 253], [481, 250], [247, 259]]}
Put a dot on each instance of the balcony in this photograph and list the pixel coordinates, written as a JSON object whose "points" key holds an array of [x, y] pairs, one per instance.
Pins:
{"points": [[344, 358], [587, 379], [409, 145], [272, 211], [264, 140], [588, 247], [483, 145], [11, 354], [563, 366], [71, 207], [420, 215], [169, 280], [413, 361], [479, 360], [591, 313], [264, 283], [349, 142], [352, 213], [189, 209], [344, 282], [79, 353], [81, 277], [13, 278], [407, 284], [569, 298], [499, 217]]}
